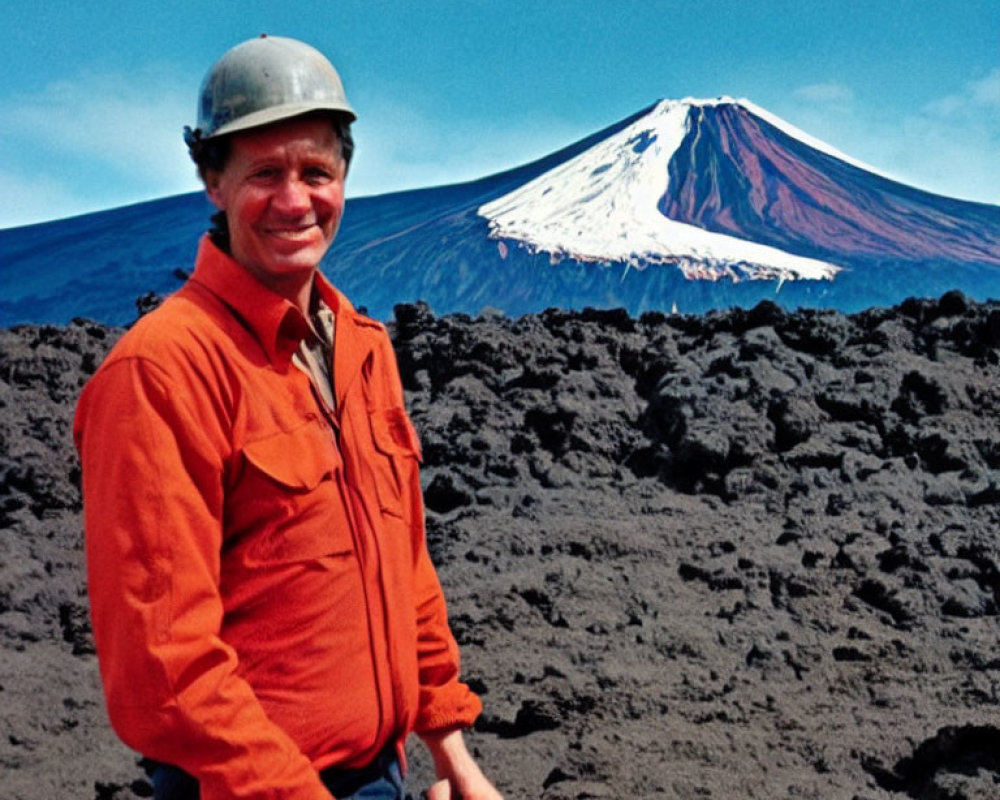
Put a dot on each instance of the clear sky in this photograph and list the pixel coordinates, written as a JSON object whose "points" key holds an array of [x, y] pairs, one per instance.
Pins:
{"points": [[93, 95]]}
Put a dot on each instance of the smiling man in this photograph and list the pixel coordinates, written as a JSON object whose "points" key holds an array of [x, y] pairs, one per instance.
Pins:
{"points": [[267, 618]]}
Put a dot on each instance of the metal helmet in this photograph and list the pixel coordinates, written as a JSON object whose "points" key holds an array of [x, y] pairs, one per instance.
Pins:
{"points": [[266, 80]]}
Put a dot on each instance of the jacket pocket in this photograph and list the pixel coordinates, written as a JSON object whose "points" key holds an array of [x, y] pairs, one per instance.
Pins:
{"points": [[297, 460], [289, 502], [397, 452]]}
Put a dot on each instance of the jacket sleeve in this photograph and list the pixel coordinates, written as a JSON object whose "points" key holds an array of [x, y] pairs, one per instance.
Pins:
{"points": [[445, 702], [152, 449]]}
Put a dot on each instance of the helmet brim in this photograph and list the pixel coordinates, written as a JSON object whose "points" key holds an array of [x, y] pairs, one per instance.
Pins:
{"points": [[269, 116]]}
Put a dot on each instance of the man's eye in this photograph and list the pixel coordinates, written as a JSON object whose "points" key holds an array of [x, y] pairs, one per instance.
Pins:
{"points": [[265, 173], [317, 175]]}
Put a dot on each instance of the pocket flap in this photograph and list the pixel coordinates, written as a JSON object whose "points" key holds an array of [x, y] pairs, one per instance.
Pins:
{"points": [[394, 434], [297, 459]]}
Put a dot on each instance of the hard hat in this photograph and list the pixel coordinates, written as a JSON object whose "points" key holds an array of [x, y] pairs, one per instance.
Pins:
{"points": [[266, 80]]}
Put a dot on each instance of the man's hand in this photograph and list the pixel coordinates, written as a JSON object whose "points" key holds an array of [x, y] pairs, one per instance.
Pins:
{"points": [[460, 776], [439, 791]]}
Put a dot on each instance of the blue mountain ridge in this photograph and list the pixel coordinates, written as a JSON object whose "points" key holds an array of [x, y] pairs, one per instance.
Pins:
{"points": [[734, 173]]}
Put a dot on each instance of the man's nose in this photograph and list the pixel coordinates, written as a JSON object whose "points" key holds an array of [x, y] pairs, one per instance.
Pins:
{"points": [[291, 197]]}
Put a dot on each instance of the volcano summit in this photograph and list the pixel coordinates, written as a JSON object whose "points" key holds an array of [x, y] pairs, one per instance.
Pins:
{"points": [[608, 205]]}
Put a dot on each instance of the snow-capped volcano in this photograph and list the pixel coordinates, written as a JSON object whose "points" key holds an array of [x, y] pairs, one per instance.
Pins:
{"points": [[693, 205], [604, 205], [722, 188]]}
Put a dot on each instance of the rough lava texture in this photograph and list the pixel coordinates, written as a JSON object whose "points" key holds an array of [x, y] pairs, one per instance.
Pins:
{"points": [[750, 554]]}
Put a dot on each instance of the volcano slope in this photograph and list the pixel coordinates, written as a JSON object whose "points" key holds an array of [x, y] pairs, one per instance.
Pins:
{"points": [[750, 554]]}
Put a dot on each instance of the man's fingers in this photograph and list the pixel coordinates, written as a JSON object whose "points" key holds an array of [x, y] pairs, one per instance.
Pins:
{"points": [[439, 791]]}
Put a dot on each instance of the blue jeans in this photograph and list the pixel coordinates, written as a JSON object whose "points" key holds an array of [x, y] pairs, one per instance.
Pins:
{"points": [[387, 786], [382, 780]]}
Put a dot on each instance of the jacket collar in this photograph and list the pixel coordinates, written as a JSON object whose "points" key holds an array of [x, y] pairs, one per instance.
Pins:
{"points": [[353, 340], [276, 322]]}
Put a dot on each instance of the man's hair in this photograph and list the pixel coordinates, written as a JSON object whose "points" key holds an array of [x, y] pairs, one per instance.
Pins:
{"points": [[212, 154]]}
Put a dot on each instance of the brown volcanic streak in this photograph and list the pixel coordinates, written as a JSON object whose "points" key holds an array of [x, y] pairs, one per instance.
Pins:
{"points": [[768, 187]]}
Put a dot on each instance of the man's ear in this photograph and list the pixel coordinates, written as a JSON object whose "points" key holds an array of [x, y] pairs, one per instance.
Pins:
{"points": [[212, 179]]}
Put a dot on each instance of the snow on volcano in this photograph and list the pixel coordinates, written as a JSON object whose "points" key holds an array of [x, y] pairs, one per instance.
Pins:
{"points": [[602, 206]]}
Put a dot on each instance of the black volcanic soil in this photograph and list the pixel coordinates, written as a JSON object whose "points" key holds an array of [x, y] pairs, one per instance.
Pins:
{"points": [[745, 555]]}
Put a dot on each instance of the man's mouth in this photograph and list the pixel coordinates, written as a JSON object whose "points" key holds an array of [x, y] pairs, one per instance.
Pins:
{"points": [[292, 232]]}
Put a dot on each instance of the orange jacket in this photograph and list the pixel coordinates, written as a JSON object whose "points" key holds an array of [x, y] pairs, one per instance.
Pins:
{"points": [[262, 598]]}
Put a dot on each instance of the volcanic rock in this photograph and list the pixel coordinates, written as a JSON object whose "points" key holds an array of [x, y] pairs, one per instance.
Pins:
{"points": [[747, 554]]}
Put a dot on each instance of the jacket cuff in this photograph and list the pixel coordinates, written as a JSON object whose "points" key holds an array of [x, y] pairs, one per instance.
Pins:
{"points": [[446, 707]]}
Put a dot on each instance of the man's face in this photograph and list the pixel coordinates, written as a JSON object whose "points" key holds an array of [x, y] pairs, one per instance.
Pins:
{"points": [[282, 191]]}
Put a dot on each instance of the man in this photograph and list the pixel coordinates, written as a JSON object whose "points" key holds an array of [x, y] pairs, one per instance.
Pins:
{"points": [[267, 619]]}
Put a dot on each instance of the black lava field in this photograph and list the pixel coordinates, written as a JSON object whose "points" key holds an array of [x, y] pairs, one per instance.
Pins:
{"points": [[747, 554]]}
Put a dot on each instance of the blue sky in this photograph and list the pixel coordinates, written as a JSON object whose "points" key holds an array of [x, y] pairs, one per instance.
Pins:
{"points": [[94, 94]]}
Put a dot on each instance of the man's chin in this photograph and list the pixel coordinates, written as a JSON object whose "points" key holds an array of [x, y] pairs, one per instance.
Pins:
{"points": [[296, 263], [292, 254]]}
